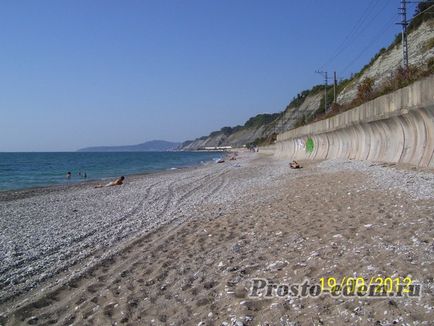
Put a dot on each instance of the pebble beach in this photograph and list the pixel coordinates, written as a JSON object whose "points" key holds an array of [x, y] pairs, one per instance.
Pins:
{"points": [[182, 247]]}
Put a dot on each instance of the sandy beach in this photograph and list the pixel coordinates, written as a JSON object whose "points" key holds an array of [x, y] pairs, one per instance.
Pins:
{"points": [[182, 247]]}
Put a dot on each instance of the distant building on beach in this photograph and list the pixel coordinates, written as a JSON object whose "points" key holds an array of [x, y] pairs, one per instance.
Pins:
{"points": [[217, 148]]}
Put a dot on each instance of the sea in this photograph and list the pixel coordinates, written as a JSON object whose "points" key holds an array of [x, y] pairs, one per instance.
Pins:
{"points": [[28, 170]]}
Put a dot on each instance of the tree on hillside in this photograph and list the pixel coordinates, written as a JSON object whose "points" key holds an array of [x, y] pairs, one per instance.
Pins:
{"points": [[424, 11]]}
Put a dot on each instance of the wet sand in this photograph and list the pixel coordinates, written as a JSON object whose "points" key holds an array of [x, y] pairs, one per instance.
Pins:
{"points": [[183, 247]]}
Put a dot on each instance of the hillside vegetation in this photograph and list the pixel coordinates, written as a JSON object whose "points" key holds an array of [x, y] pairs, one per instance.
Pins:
{"points": [[383, 74]]}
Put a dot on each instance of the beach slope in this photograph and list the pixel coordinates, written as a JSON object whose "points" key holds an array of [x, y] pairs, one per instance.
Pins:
{"points": [[184, 247]]}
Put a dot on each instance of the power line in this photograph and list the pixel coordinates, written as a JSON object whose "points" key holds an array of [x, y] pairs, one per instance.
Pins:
{"points": [[422, 11], [360, 26], [326, 78], [404, 23], [385, 28], [363, 21], [355, 28]]}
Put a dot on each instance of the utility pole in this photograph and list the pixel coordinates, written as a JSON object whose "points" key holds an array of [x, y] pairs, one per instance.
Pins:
{"points": [[324, 73], [325, 93], [404, 24], [335, 82]]}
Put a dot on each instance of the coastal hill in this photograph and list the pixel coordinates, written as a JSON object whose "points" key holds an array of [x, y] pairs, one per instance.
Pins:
{"points": [[381, 75], [149, 146]]}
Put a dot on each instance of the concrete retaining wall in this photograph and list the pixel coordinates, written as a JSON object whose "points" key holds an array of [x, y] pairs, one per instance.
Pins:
{"points": [[398, 127]]}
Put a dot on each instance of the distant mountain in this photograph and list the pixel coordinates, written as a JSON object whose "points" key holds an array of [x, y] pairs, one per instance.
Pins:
{"points": [[149, 146]]}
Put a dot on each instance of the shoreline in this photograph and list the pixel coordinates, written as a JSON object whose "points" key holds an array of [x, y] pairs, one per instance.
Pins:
{"points": [[12, 194], [200, 234], [61, 193], [82, 181]]}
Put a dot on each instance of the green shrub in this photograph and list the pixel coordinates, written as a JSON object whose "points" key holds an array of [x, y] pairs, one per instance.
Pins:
{"points": [[263, 141], [301, 121], [419, 19], [429, 44], [261, 119], [430, 65], [365, 89]]}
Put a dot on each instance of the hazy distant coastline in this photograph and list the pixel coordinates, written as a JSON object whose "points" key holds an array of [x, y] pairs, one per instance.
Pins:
{"points": [[149, 146]]}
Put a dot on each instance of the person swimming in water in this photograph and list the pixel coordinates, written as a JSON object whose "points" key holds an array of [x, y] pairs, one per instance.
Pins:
{"points": [[117, 182]]}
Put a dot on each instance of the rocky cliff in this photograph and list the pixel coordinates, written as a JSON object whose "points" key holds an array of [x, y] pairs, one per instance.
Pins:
{"points": [[420, 51], [263, 128]]}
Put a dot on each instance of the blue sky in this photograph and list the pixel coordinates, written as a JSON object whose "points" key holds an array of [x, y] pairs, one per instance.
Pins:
{"points": [[84, 73]]}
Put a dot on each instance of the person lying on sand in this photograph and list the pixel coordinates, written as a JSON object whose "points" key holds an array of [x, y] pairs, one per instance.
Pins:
{"points": [[295, 165], [117, 182]]}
